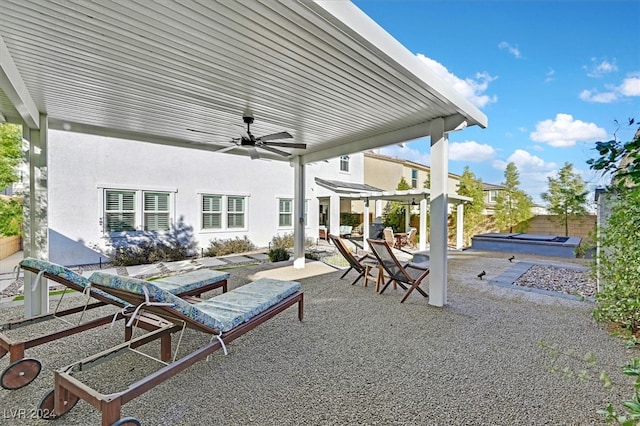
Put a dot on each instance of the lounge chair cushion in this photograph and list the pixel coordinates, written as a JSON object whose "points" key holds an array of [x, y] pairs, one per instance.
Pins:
{"points": [[68, 275], [189, 281], [223, 312]]}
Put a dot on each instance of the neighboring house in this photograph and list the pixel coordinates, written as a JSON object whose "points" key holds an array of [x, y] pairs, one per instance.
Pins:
{"points": [[128, 188], [491, 198]]}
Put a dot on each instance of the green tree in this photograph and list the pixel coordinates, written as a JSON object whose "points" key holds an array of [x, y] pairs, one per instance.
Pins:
{"points": [[513, 206], [394, 211], [470, 186], [567, 195], [621, 159], [10, 157], [10, 153]]}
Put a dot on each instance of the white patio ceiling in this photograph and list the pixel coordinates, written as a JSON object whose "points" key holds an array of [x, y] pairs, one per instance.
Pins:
{"points": [[149, 71]]}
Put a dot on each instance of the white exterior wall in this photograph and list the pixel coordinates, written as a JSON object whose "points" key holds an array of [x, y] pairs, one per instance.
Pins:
{"points": [[81, 166]]}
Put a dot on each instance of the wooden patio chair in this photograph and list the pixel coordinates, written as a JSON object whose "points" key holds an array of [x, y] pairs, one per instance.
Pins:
{"points": [[389, 237], [411, 237], [21, 370], [408, 276], [357, 264], [225, 317]]}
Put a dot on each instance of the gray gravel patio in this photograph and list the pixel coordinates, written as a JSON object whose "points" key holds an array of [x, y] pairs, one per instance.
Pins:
{"points": [[363, 358]]}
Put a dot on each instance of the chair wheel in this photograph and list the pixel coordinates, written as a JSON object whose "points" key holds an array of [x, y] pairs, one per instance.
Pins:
{"points": [[127, 421], [20, 373], [46, 405]]}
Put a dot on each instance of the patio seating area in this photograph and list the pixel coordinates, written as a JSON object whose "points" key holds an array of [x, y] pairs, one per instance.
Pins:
{"points": [[362, 357]]}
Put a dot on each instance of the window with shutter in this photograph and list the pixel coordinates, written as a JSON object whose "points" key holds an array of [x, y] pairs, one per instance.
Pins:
{"points": [[235, 212], [286, 212], [156, 211], [211, 212], [120, 213]]}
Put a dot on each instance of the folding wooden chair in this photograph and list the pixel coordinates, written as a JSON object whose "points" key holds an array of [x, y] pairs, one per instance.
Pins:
{"points": [[357, 264], [408, 276]]}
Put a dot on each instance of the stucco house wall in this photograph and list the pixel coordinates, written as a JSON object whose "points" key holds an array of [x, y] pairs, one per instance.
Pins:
{"points": [[82, 166]]}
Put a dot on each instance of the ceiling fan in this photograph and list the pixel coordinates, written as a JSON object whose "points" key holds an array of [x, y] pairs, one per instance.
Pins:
{"points": [[266, 142]]}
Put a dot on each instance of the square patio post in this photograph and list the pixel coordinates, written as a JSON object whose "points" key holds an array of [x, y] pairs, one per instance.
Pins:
{"points": [[298, 208], [460, 227], [439, 209]]}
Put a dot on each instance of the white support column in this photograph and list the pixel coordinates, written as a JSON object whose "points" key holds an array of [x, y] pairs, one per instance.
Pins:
{"points": [[298, 208], [378, 208], [424, 232], [365, 225], [36, 229], [407, 217], [334, 214], [460, 227], [439, 209]]}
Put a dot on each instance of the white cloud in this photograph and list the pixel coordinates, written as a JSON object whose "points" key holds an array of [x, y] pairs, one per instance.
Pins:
{"points": [[532, 169], [471, 151], [630, 86], [564, 131], [471, 88], [549, 75], [511, 49], [598, 68]]}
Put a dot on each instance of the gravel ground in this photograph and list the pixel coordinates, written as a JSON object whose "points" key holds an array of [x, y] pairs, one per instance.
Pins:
{"points": [[363, 358], [563, 280]]}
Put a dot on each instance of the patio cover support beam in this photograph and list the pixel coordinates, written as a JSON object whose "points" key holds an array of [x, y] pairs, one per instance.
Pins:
{"points": [[298, 208], [460, 226], [36, 229], [365, 225], [13, 86], [423, 231], [439, 209]]}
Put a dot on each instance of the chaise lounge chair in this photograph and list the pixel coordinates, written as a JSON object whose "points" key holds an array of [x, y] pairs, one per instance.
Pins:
{"points": [[21, 371], [408, 276], [224, 317], [357, 264]]}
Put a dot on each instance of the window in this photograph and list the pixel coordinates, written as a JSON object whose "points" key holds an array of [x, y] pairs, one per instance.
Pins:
{"points": [[235, 212], [156, 211], [344, 163], [414, 178], [285, 210], [493, 196], [120, 213], [211, 212]]}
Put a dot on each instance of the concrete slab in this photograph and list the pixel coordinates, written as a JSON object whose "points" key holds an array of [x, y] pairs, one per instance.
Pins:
{"points": [[288, 273], [237, 260], [263, 257], [143, 270], [211, 262], [181, 265]]}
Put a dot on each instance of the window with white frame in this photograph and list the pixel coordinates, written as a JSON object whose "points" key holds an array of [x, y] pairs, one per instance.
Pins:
{"points": [[285, 212], [120, 210], [414, 178], [493, 196], [156, 211], [211, 212], [235, 212], [344, 163]]}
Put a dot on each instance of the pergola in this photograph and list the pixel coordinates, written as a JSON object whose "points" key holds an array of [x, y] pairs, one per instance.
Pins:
{"points": [[149, 71], [409, 197]]}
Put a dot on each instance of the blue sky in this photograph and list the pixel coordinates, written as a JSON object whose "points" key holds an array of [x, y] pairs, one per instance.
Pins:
{"points": [[551, 76]]}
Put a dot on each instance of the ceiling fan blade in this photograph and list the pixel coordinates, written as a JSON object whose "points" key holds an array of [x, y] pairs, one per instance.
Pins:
{"points": [[253, 153], [225, 149], [274, 150], [202, 131], [287, 144], [280, 135]]}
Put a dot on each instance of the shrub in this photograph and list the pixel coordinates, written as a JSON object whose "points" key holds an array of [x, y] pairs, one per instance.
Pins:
{"points": [[148, 251], [286, 241], [278, 254], [230, 246], [619, 299]]}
